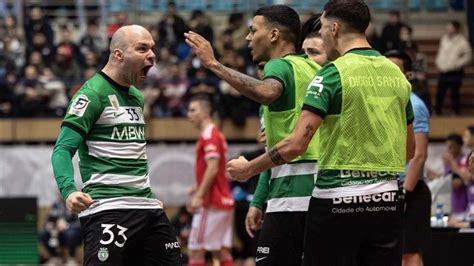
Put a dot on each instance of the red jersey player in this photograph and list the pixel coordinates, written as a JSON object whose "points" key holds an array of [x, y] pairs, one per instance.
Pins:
{"points": [[211, 200]]}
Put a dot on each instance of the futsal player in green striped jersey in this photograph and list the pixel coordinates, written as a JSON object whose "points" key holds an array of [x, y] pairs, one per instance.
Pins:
{"points": [[122, 222]]}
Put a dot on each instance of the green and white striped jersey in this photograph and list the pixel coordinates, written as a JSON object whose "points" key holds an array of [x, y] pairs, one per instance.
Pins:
{"points": [[112, 159]]}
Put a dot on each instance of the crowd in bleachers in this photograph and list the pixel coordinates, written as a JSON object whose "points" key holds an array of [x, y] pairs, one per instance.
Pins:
{"points": [[40, 75], [42, 65]]}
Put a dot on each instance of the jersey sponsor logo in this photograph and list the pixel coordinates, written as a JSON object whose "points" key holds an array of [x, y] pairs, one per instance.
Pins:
{"points": [[259, 259], [79, 105], [171, 245], [263, 250], [357, 173], [128, 133], [390, 196], [103, 254]]}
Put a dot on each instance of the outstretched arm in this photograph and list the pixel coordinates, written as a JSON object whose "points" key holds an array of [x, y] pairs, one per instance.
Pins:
{"points": [[263, 92]]}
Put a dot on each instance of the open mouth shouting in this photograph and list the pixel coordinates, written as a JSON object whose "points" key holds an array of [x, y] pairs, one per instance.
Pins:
{"points": [[145, 70]]}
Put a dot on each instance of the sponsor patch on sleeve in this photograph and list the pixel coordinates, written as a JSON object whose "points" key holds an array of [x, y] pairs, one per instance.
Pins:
{"points": [[79, 105]]}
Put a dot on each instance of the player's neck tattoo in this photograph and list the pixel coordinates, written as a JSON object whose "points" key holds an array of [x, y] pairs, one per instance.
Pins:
{"points": [[275, 156]]}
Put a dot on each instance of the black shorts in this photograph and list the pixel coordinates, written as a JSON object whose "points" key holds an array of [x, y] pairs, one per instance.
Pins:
{"points": [[360, 230], [129, 237], [281, 239], [416, 219]]}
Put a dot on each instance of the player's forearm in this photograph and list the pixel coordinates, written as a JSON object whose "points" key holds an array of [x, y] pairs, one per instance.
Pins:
{"points": [[283, 152], [63, 170], [415, 172], [410, 143], [65, 148], [248, 86], [261, 191]]}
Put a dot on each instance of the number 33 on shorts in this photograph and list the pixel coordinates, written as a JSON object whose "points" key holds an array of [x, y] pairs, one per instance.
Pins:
{"points": [[108, 236]]}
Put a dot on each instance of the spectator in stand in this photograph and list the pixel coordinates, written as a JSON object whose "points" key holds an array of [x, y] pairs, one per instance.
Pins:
{"points": [[36, 23], [406, 37], [93, 40], [454, 53], [7, 95], [12, 45], [152, 93], [233, 105], [66, 42], [30, 94], [65, 66], [174, 91], [165, 59], [391, 32], [239, 29], [417, 74], [468, 139], [86, 75], [204, 83], [172, 27], [42, 46], [224, 42], [455, 164], [9, 27], [7, 63], [55, 90], [90, 61], [120, 20], [374, 39], [61, 231], [200, 24], [36, 59]]}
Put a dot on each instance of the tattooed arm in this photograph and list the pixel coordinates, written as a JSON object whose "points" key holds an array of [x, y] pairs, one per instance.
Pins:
{"points": [[286, 150], [263, 92]]}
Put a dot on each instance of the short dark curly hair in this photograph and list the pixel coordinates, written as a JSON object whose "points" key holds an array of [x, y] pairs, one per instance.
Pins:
{"points": [[285, 19], [353, 13]]}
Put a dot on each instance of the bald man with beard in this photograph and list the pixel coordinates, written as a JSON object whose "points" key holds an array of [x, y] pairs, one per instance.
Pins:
{"points": [[121, 220]]}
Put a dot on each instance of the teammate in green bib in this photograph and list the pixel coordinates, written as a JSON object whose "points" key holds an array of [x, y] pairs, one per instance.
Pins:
{"points": [[361, 105], [274, 38], [104, 123], [312, 46]]}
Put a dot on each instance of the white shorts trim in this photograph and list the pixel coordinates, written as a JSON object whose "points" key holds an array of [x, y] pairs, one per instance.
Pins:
{"points": [[211, 229], [121, 203]]}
